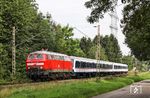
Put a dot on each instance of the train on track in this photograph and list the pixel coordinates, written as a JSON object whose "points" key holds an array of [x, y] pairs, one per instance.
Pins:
{"points": [[44, 64]]}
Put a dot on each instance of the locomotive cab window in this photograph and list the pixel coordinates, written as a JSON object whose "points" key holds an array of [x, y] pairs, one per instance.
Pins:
{"points": [[39, 56]]}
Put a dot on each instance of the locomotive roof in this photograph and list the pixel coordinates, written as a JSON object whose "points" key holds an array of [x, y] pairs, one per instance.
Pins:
{"points": [[47, 52]]}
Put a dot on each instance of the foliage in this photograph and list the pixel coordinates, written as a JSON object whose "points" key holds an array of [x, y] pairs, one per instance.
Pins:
{"points": [[18, 13], [111, 47], [92, 53], [98, 8], [129, 60], [86, 44], [136, 28], [90, 49]]}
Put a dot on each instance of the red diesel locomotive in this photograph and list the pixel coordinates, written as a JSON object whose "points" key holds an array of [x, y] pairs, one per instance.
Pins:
{"points": [[41, 64]]}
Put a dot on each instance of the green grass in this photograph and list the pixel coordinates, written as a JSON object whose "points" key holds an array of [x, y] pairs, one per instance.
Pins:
{"points": [[73, 89]]}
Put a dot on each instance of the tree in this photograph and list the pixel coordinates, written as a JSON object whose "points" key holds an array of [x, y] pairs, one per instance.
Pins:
{"points": [[92, 53], [33, 32], [19, 14], [129, 60], [136, 28], [86, 44], [111, 47], [3, 63], [99, 8], [74, 49]]}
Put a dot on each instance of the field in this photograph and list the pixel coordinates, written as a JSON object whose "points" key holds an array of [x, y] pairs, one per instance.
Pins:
{"points": [[71, 88]]}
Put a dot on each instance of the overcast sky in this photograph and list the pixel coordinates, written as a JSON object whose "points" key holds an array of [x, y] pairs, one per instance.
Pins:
{"points": [[74, 13]]}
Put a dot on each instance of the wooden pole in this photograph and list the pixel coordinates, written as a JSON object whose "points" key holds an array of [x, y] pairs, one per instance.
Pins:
{"points": [[13, 52]]}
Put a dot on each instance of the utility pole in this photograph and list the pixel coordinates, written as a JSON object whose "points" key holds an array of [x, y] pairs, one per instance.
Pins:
{"points": [[98, 49], [13, 52]]}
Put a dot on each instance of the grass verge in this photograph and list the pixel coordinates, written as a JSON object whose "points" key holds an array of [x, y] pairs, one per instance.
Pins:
{"points": [[74, 89]]}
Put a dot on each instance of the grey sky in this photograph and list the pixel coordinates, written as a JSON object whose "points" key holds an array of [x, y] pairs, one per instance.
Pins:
{"points": [[74, 13]]}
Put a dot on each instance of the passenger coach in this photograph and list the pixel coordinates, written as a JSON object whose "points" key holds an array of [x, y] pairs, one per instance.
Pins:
{"points": [[89, 67]]}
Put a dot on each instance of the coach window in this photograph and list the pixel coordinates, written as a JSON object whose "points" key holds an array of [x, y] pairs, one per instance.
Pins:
{"points": [[87, 64], [91, 65], [110, 66], [116, 67], [94, 65], [84, 65], [107, 66], [81, 65], [77, 64], [103, 65], [100, 65]]}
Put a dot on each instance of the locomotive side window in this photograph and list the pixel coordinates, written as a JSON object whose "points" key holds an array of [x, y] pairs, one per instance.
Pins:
{"points": [[52, 57], [61, 58], [49, 56], [55, 57], [66, 58]]}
